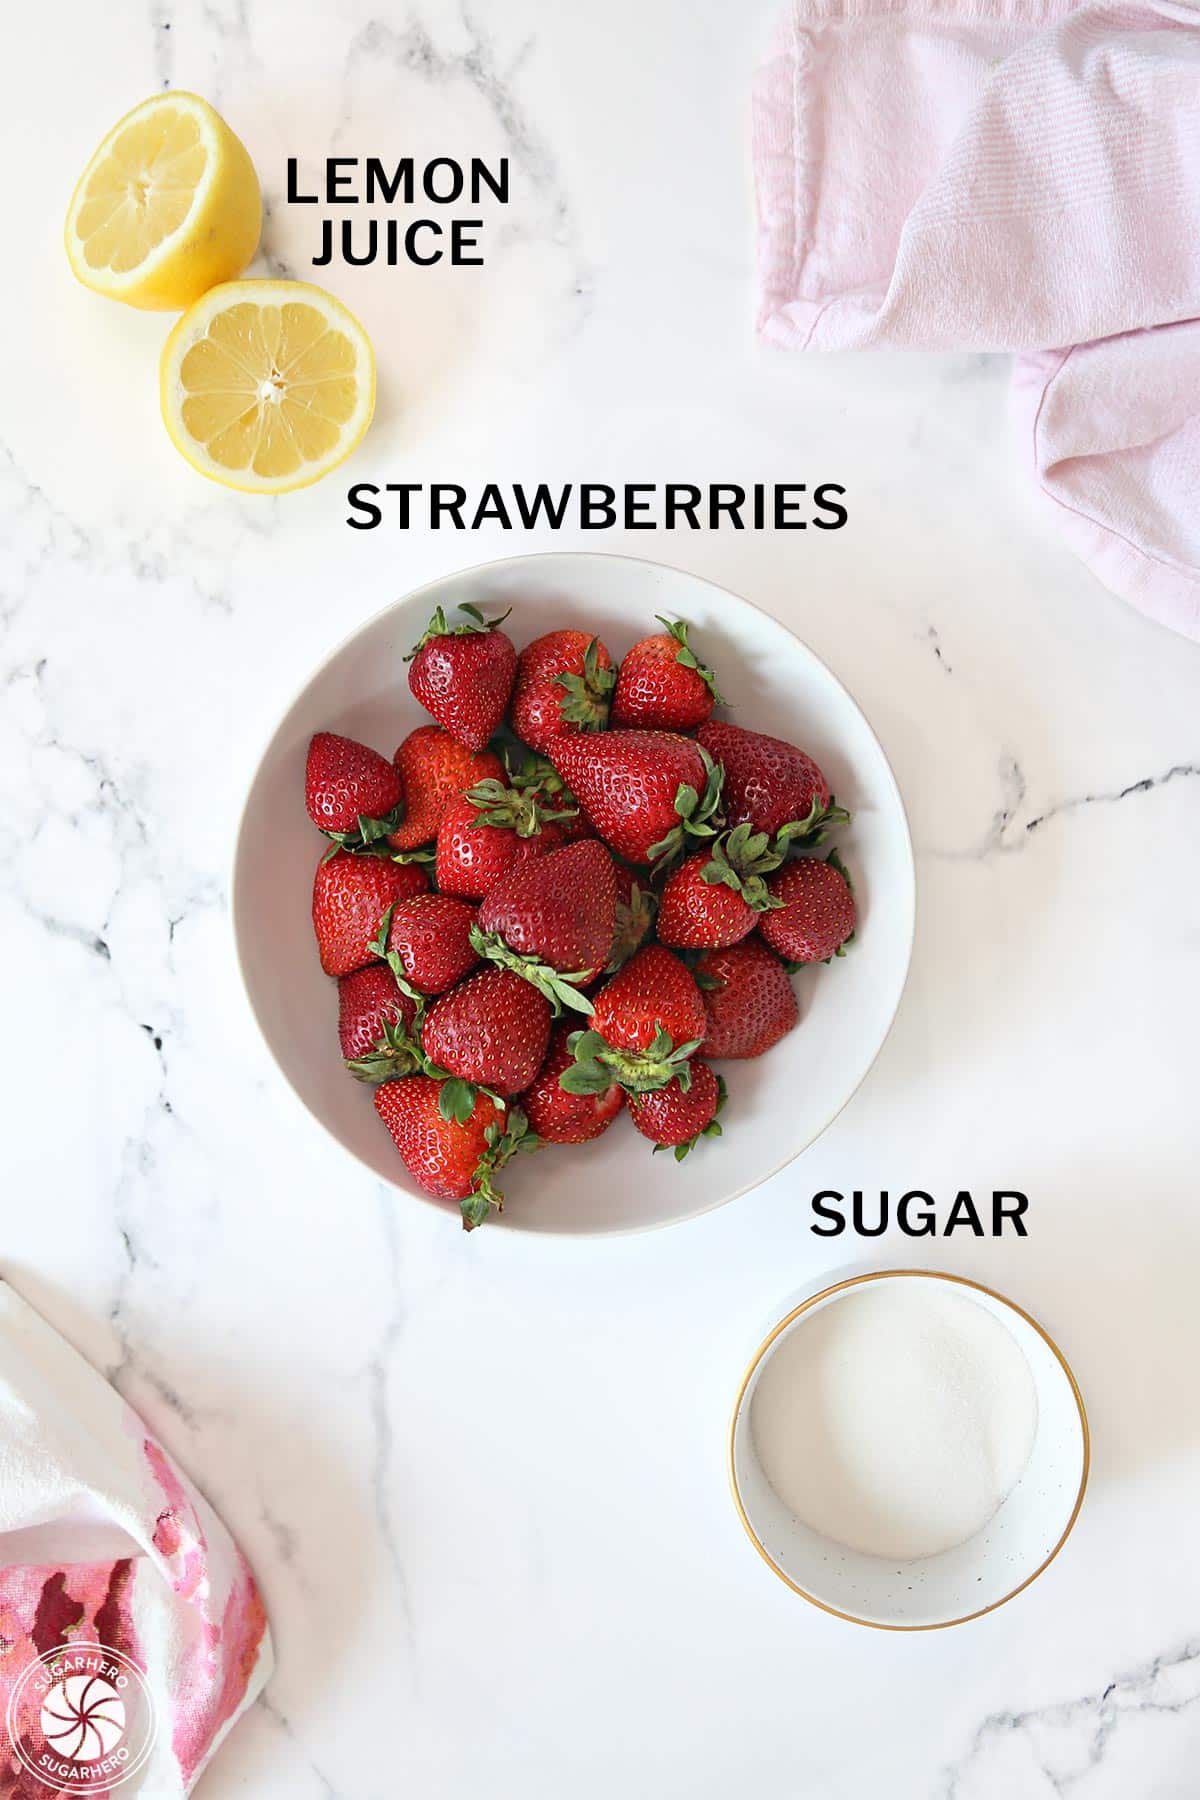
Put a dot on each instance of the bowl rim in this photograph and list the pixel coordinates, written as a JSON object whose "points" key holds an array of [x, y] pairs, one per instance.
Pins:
{"points": [[838, 1287], [241, 833]]}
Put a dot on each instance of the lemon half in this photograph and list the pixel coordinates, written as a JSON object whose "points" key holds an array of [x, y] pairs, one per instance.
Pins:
{"points": [[267, 385], [168, 205]]}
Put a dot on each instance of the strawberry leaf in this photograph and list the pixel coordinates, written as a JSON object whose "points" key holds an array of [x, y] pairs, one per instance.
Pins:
{"points": [[367, 834], [812, 830], [501, 1147], [559, 989], [686, 656], [585, 698], [437, 627]]}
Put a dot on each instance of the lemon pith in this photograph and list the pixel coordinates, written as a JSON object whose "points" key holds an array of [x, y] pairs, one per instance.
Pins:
{"points": [[267, 385], [168, 206]]}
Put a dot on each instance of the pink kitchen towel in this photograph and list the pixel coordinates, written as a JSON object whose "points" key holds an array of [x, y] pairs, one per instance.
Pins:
{"points": [[1010, 175], [132, 1634]]}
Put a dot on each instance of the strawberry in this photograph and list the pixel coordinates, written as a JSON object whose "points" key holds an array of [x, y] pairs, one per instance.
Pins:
{"points": [[375, 1021], [636, 907], [491, 1030], [678, 1117], [349, 895], [654, 992], [716, 899], [463, 674], [749, 1003], [646, 1022], [426, 942], [818, 913], [435, 768], [662, 685], [489, 829], [354, 795], [644, 791], [770, 785], [450, 1157], [560, 1117], [552, 920], [563, 683]]}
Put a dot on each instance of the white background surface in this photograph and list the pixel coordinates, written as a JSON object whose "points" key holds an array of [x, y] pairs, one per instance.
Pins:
{"points": [[482, 1480]]}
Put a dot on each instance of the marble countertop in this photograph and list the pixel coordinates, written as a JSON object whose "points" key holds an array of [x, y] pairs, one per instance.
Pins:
{"points": [[482, 1480]]}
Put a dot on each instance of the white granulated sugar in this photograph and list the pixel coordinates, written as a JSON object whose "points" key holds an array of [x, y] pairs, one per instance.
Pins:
{"points": [[896, 1419]]}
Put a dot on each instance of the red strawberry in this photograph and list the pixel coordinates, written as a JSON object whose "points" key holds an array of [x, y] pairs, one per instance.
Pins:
{"points": [[375, 1021], [642, 790], [662, 685], [427, 941], [435, 768], [700, 913], [492, 1029], [552, 920], [679, 1117], [818, 912], [488, 830], [350, 896], [636, 907], [646, 1022], [563, 683], [769, 784], [654, 992], [463, 674], [749, 1002], [560, 1117], [354, 795], [451, 1157], [716, 899]]}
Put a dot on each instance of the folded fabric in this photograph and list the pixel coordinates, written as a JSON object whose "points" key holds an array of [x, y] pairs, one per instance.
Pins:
{"points": [[132, 1635], [1010, 175]]}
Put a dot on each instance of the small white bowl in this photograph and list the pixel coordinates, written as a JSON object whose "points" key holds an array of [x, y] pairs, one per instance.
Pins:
{"points": [[1020, 1540], [779, 1103]]}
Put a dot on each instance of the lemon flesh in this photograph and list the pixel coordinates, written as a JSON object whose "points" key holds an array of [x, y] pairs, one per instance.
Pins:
{"points": [[267, 385], [168, 206]]}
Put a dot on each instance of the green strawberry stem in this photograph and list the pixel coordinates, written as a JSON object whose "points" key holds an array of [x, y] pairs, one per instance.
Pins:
{"points": [[586, 697], [740, 859], [814, 829], [685, 655], [835, 862], [367, 835], [437, 627], [522, 810], [526, 769], [502, 1146], [712, 1129], [559, 989], [396, 1052], [597, 1065], [699, 815]]}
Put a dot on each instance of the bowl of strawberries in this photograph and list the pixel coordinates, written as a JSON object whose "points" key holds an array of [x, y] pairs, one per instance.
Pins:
{"points": [[574, 893]]}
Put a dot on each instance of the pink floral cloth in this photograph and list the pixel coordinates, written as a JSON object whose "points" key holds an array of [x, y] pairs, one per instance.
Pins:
{"points": [[1010, 175], [105, 1542]]}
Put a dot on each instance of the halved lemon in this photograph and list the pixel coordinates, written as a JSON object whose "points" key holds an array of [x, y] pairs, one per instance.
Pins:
{"points": [[267, 385], [168, 206]]}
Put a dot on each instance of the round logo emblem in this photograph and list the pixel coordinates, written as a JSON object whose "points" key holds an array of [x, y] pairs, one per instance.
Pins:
{"points": [[81, 1716]]}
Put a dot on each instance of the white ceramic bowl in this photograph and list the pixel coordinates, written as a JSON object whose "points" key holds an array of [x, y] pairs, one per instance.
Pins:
{"points": [[1012, 1549], [777, 1104]]}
